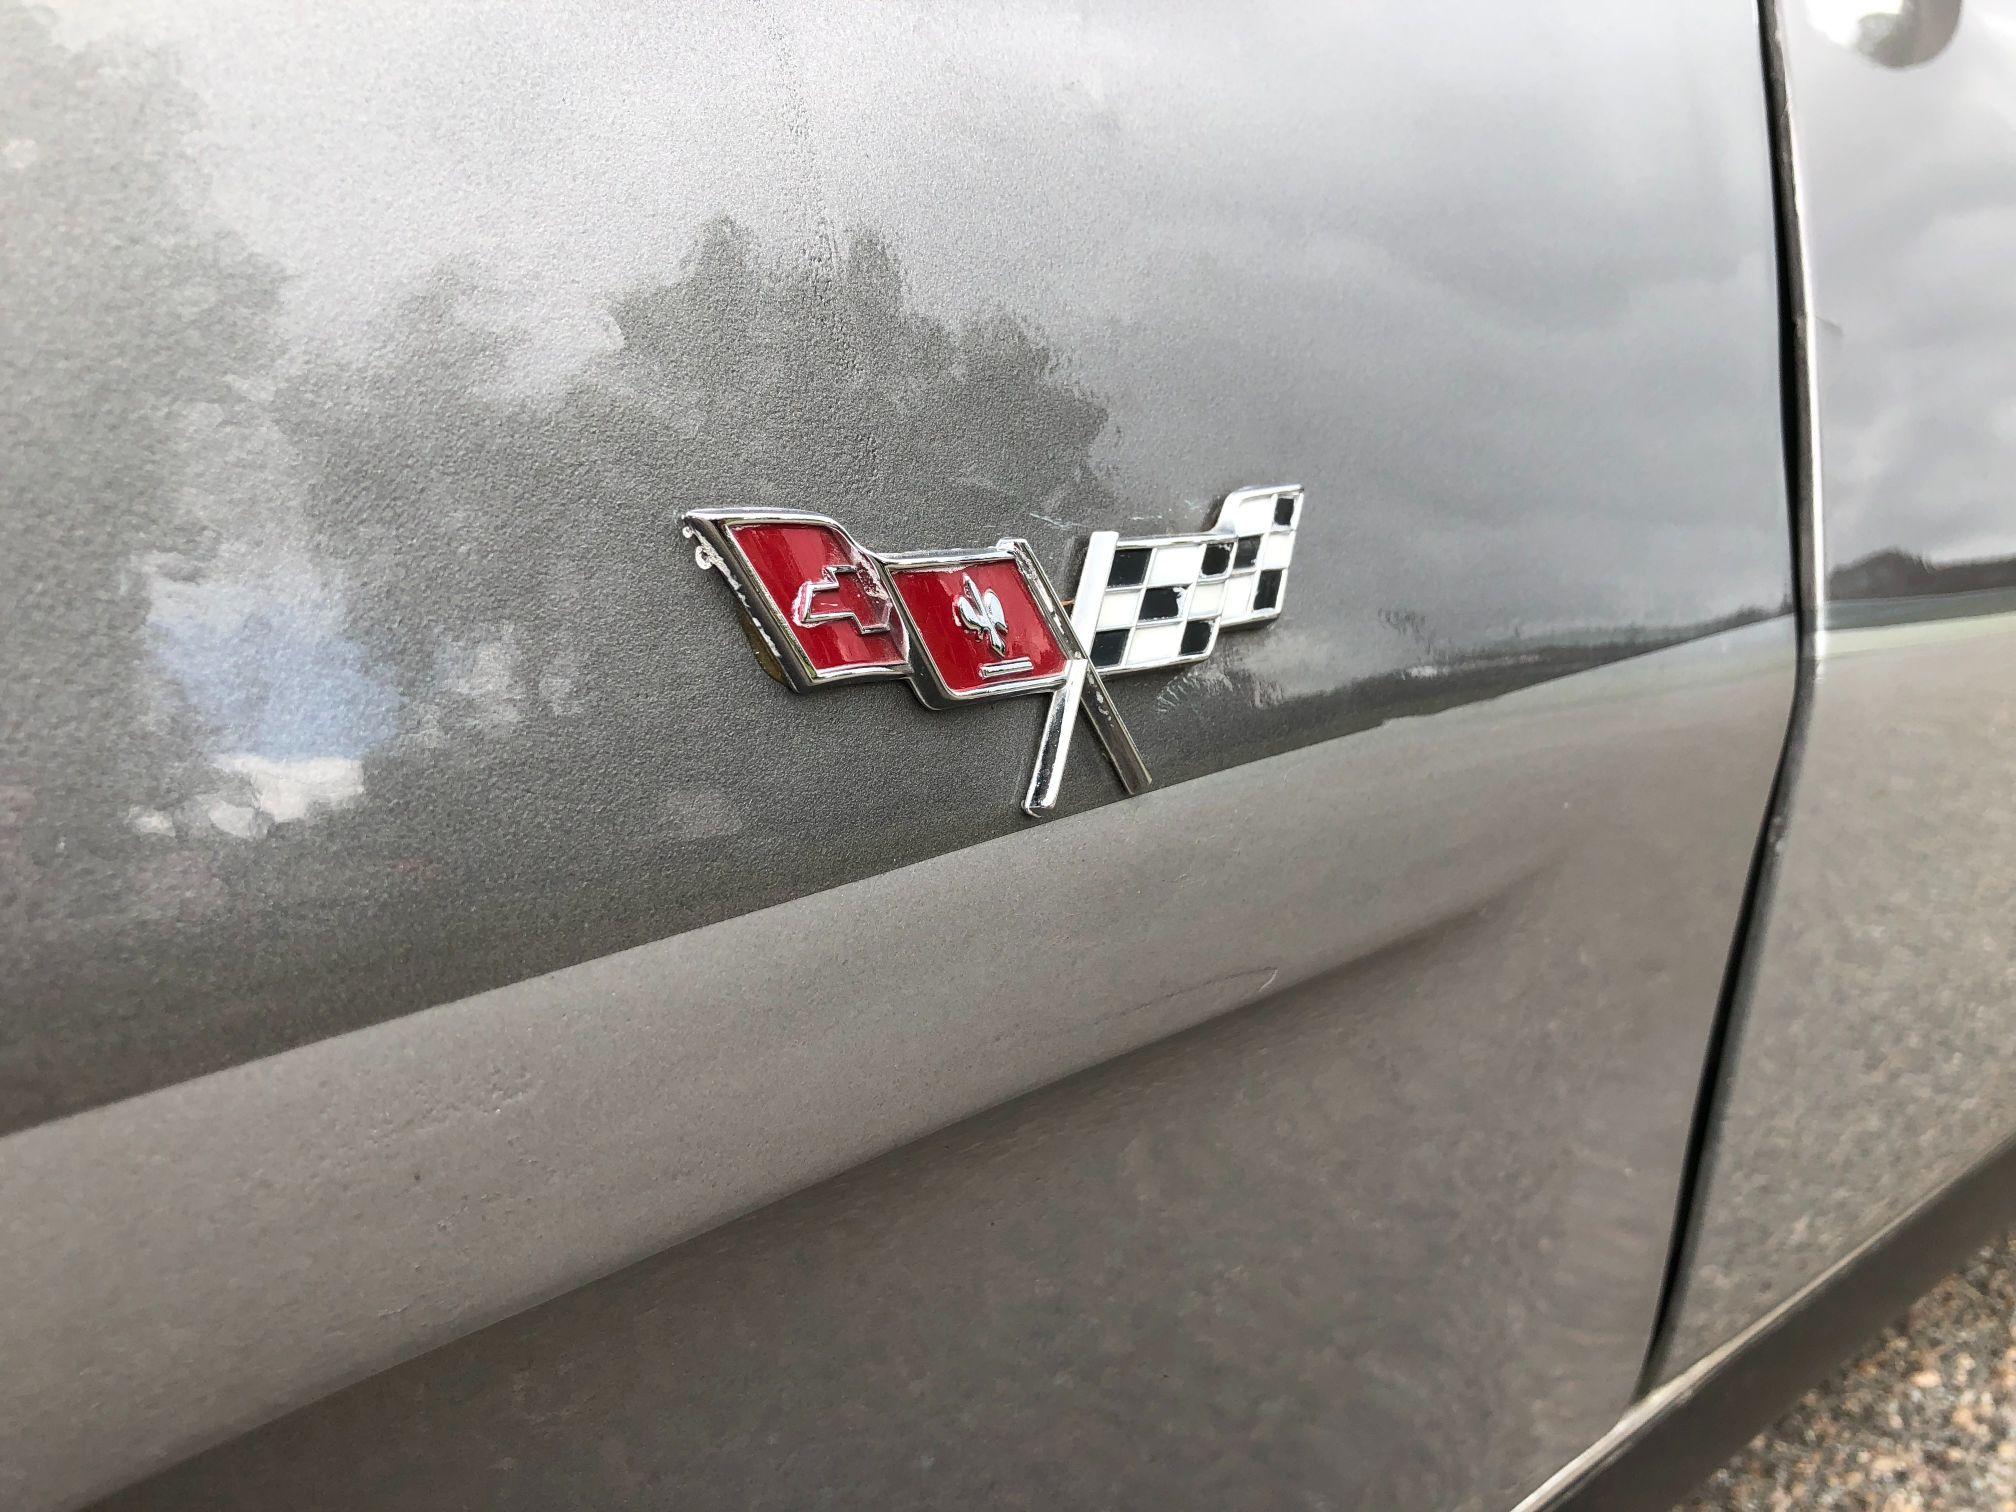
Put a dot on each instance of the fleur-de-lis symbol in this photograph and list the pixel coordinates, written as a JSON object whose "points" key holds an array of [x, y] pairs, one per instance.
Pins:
{"points": [[981, 614]]}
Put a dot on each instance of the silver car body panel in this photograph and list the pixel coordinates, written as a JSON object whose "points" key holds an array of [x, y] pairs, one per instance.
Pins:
{"points": [[382, 1191], [1869, 1061], [430, 907], [394, 684]]}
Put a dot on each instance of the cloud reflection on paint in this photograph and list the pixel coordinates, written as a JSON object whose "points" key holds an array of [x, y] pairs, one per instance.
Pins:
{"points": [[400, 685]]}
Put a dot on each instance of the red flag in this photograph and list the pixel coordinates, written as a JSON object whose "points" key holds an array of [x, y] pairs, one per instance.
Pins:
{"points": [[977, 624], [958, 625]]}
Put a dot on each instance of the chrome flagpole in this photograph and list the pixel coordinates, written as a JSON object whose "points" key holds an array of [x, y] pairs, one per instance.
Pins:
{"points": [[1084, 689]]}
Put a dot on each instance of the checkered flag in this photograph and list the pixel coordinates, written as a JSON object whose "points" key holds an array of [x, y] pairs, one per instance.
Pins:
{"points": [[1161, 600]]}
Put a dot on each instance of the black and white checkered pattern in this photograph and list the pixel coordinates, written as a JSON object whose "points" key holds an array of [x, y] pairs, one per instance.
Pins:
{"points": [[1167, 597]]}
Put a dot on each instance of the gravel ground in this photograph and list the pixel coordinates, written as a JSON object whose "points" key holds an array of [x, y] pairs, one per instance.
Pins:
{"points": [[1924, 1421]]}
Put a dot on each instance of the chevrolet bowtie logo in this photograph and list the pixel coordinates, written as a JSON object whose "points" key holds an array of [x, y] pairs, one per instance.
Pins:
{"points": [[962, 626], [844, 591]]}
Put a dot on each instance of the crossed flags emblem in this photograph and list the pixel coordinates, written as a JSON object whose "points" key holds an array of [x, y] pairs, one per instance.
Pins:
{"points": [[965, 626]]}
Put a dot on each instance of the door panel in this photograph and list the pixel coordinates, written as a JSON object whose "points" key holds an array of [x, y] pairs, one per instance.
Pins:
{"points": [[395, 683], [1392, 1237], [429, 906], [1869, 1062]]}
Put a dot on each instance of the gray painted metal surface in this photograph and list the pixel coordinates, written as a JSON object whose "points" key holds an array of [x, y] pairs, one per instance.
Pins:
{"points": [[419, 904], [1393, 1234], [387, 680], [1869, 1059]]}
